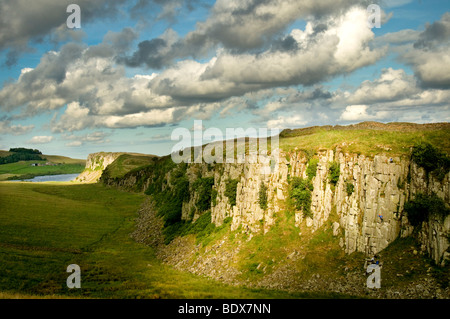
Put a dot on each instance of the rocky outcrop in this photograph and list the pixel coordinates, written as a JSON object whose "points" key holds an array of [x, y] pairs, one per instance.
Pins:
{"points": [[370, 217], [95, 165], [365, 206]]}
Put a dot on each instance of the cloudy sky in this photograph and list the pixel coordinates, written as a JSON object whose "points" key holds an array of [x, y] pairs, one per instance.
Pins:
{"points": [[136, 70]]}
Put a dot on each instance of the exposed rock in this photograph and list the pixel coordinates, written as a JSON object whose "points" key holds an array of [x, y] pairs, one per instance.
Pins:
{"points": [[95, 165]]}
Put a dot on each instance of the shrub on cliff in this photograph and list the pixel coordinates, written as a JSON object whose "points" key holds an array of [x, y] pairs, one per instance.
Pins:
{"points": [[230, 190], [300, 191], [422, 206], [350, 188], [431, 159], [312, 168], [334, 172], [203, 187], [262, 196]]}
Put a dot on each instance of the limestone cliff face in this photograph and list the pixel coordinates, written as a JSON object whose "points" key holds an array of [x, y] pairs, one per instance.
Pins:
{"points": [[381, 186], [95, 165]]}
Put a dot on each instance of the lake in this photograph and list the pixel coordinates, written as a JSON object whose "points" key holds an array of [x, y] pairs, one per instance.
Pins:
{"points": [[53, 178]]}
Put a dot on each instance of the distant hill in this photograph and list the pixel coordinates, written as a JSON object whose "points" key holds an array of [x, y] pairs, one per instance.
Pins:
{"points": [[41, 165], [368, 138]]}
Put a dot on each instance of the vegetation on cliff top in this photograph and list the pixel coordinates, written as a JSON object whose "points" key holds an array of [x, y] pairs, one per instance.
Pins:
{"points": [[431, 159], [126, 163], [394, 139]]}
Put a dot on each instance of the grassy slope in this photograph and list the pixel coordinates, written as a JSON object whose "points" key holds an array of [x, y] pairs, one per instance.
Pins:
{"points": [[127, 162], [46, 227], [365, 140]]}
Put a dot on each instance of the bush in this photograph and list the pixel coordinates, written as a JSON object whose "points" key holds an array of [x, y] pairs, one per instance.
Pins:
{"points": [[262, 196], [300, 191], [214, 194], [312, 168], [231, 190], [169, 200], [431, 159], [350, 188], [422, 206], [334, 172], [203, 186]]}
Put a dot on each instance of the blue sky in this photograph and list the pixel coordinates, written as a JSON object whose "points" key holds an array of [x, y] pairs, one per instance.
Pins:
{"points": [[136, 70]]}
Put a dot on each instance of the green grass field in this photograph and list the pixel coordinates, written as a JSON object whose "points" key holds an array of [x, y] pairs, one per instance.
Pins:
{"points": [[127, 162], [24, 170], [46, 227], [366, 142]]}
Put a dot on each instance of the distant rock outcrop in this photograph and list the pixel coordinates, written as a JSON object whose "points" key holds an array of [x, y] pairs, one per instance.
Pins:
{"points": [[95, 165]]}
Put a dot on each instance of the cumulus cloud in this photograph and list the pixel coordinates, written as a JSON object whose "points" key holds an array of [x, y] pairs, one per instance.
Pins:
{"points": [[23, 23], [238, 26], [97, 93], [429, 56], [282, 122], [392, 85], [41, 139], [394, 96], [74, 144], [249, 64], [342, 48], [7, 128], [96, 137]]}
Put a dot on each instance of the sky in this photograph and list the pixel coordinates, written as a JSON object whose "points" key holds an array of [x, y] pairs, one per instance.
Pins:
{"points": [[135, 71]]}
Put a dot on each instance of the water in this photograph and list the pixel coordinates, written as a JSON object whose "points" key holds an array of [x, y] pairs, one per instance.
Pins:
{"points": [[53, 178]]}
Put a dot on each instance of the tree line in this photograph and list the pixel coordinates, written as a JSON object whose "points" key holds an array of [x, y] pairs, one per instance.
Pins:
{"points": [[21, 154]]}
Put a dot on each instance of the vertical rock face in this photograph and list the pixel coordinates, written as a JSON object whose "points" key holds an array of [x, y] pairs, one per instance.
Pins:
{"points": [[248, 212], [370, 215], [366, 203]]}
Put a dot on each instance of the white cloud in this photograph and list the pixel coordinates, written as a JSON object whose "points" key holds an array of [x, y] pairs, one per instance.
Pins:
{"points": [[359, 113], [391, 86], [74, 144], [7, 128], [40, 139], [429, 56], [340, 49], [283, 122]]}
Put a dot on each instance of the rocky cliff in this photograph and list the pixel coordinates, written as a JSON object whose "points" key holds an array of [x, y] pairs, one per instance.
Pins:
{"points": [[381, 186], [95, 165], [367, 216]]}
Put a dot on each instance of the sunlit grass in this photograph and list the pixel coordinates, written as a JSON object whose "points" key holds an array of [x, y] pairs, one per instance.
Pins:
{"points": [[367, 142], [45, 227]]}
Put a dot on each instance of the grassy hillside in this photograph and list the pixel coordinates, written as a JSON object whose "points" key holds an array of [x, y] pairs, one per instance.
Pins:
{"points": [[46, 227], [369, 138], [127, 162]]}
